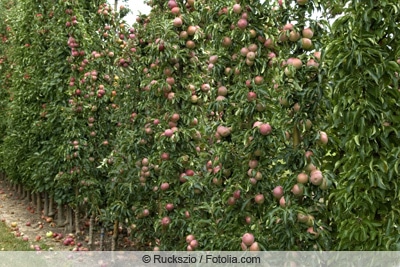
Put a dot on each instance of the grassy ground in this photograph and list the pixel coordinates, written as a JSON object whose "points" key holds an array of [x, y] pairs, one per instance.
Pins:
{"points": [[8, 242]]}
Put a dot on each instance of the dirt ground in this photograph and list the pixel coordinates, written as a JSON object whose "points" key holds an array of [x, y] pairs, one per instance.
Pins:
{"points": [[14, 210]]}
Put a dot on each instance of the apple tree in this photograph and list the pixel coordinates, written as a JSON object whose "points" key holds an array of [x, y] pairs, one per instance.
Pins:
{"points": [[363, 57]]}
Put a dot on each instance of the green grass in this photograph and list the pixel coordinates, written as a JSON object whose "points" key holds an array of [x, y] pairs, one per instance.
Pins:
{"points": [[8, 242]]}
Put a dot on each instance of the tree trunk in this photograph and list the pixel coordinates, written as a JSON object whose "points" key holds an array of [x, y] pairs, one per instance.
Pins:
{"points": [[60, 215], [51, 206], [77, 230], [91, 222], [19, 191], [115, 6], [28, 197], [114, 241], [46, 204], [70, 219], [39, 204], [23, 197], [102, 238], [33, 202], [76, 212]]}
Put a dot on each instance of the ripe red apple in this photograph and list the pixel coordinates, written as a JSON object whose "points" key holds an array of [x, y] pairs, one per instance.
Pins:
{"points": [[242, 24], [294, 36], [296, 107], [298, 190], [223, 131], [165, 156], [317, 55], [164, 186], [165, 221], [306, 43], [307, 33], [302, 178], [258, 80], [282, 202], [237, 8], [169, 206], [251, 55], [277, 192], [259, 199], [316, 177], [177, 22], [190, 44], [312, 63], [253, 164], [295, 62], [236, 194], [323, 137], [222, 91], [194, 243], [168, 132], [190, 238], [205, 87], [226, 41], [187, 214], [231, 201], [145, 213], [288, 26], [265, 129], [175, 11], [191, 30], [251, 96], [248, 239], [254, 247], [172, 4], [189, 172]]}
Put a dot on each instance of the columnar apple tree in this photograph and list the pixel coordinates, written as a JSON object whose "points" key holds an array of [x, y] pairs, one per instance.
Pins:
{"points": [[62, 89], [363, 56], [227, 117]]}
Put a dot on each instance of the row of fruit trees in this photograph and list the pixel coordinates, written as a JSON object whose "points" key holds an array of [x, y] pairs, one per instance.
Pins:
{"points": [[208, 124]]}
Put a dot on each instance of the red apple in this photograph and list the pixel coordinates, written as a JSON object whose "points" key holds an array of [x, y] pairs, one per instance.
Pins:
{"points": [[248, 239]]}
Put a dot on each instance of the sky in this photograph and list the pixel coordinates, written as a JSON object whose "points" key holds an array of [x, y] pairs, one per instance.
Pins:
{"points": [[136, 6]]}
